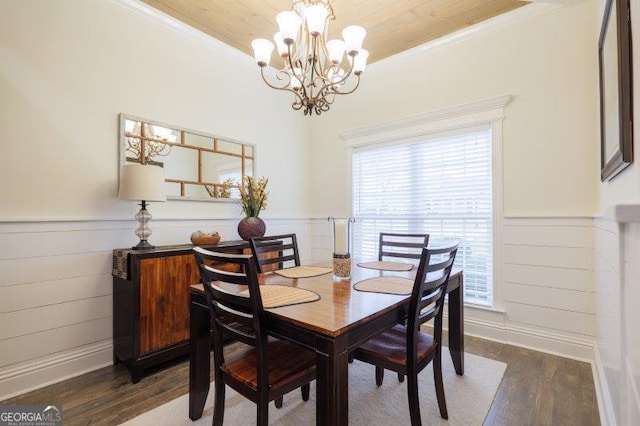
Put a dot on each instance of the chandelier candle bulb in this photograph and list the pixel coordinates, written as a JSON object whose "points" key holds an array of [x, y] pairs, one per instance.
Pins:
{"points": [[283, 51], [295, 82], [289, 23], [360, 61], [316, 17], [335, 49], [353, 36], [262, 49]]}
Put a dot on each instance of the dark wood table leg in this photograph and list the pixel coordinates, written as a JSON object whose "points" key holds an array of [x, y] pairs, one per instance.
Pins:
{"points": [[199, 358], [332, 383], [456, 327]]}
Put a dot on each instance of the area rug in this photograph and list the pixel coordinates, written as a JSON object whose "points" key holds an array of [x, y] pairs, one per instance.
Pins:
{"points": [[469, 398]]}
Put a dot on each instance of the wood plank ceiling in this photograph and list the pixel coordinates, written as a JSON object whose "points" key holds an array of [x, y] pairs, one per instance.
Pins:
{"points": [[392, 25]]}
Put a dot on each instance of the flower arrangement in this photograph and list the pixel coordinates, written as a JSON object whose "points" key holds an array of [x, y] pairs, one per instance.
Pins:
{"points": [[253, 195]]}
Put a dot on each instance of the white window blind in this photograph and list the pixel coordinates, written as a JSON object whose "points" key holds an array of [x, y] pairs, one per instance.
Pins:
{"points": [[442, 187]]}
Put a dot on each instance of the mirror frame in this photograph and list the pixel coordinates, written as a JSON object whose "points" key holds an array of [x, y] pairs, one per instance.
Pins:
{"points": [[123, 145]]}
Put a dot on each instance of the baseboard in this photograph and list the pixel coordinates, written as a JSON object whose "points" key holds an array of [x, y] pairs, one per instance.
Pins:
{"points": [[605, 405], [548, 342], [31, 375]]}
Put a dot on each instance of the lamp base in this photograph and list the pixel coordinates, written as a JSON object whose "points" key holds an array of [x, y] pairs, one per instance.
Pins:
{"points": [[143, 245]]}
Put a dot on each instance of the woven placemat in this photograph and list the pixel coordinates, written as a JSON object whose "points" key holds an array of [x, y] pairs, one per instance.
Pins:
{"points": [[303, 271], [387, 266], [275, 296], [389, 285]]}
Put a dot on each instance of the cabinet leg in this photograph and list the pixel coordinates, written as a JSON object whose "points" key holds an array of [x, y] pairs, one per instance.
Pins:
{"points": [[116, 360], [136, 374]]}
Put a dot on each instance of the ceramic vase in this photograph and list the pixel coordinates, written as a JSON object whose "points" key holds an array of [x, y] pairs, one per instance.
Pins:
{"points": [[251, 227]]}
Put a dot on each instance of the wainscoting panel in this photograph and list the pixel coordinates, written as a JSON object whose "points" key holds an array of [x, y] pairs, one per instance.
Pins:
{"points": [[550, 319], [548, 283], [542, 276], [51, 341], [550, 297], [610, 324], [55, 290], [548, 256], [43, 293], [632, 322]]}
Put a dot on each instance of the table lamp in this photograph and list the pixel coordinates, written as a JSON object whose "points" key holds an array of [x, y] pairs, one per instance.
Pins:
{"points": [[142, 183]]}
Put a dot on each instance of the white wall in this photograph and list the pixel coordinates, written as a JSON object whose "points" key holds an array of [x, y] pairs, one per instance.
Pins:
{"points": [[67, 69], [618, 276], [545, 57], [547, 62]]}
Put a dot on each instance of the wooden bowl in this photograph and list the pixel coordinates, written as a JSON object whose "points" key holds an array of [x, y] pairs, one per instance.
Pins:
{"points": [[206, 240]]}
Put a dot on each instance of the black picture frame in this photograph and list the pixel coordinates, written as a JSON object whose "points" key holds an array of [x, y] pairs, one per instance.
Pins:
{"points": [[616, 95]]}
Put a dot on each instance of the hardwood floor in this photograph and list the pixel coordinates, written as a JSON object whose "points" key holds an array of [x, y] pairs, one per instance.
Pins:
{"points": [[537, 389]]}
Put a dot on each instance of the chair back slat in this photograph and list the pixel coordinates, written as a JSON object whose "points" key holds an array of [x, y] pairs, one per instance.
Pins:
{"points": [[406, 246], [429, 291], [268, 261], [275, 252]]}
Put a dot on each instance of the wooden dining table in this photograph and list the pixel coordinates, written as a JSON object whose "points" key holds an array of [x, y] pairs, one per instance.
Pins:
{"points": [[339, 322]]}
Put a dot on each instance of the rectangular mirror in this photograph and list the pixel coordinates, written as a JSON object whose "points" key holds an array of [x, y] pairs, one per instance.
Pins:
{"points": [[197, 166]]}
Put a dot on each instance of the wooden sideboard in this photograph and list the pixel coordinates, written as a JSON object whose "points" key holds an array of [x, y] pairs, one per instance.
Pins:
{"points": [[151, 303]]}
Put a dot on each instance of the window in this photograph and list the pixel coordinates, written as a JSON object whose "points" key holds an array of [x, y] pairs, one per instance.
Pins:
{"points": [[441, 186]]}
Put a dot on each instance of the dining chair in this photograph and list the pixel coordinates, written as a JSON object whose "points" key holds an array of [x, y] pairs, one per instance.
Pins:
{"points": [[406, 349], [264, 368], [275, 252], [406, 246]]}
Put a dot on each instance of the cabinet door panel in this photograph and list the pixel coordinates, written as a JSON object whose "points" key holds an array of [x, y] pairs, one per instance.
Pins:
{"points": [[164, 300]]}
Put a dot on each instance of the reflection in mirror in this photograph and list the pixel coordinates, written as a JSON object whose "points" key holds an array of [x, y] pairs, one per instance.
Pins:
{"points": [[197, 166]]}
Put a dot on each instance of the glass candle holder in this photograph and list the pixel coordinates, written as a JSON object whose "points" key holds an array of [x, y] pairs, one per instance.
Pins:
{"points": [[341, 233]]}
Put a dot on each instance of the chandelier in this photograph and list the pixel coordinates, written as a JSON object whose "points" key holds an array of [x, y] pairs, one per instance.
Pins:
{"points": [[315, 69]]}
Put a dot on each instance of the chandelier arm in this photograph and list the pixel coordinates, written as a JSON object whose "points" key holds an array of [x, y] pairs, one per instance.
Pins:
{"points": [[279, 88], [331, 87], [314, 60], [317, 63], [337, 92], [294, 75]]}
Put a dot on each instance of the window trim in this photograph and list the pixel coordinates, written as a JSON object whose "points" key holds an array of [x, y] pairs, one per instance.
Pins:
{"points": [[429, 124]]}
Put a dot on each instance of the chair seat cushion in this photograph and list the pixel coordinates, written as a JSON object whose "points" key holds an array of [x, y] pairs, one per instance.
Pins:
{"points": [[287, 362], [391, 345]]}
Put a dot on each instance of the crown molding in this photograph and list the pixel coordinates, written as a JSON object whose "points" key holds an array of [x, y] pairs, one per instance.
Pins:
{"points": [[167, 21], [481, 28]]}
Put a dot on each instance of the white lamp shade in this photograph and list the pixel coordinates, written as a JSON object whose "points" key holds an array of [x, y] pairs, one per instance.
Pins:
{"points": [[335, 49], [142, 182], [360, 61], [289, 23], [316, 16], [262, 49], [353, 36], [280, 45]]}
